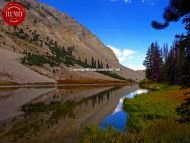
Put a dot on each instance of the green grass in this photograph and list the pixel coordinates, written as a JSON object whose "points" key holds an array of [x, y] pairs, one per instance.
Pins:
{"points": [[153, 116], [152, 119], [5, 83], [94, 134], [152, 106]]}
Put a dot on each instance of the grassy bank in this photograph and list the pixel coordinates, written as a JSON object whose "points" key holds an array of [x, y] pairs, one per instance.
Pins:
{"points": [[94, 81], [7, 83], [152, 118]]}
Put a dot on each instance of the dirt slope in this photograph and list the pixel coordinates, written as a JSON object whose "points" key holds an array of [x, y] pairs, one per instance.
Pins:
{"points": [[12, 70]]}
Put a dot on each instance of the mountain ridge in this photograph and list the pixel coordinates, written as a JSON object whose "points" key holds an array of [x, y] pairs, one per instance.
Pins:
{"points": [[49, 37]]}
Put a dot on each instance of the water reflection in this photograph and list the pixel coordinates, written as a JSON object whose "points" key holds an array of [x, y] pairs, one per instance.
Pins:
{"points": [[118, 119], [57, 114], [56, 110]]}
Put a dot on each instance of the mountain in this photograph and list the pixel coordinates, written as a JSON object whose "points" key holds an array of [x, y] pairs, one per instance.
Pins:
{"points": [[49, 44], [141, 72]]}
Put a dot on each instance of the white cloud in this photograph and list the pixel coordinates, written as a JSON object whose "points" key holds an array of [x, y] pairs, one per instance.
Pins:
{"points": [[113, 0], [136, 67], [149, 2], [123, 55], [129, 58], [128, 1]]}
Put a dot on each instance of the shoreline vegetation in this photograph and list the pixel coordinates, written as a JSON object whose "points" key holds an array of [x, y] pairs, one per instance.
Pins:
{"points": [[4, 84], [153, 117]]}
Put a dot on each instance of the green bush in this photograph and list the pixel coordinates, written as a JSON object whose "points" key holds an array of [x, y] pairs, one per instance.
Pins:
{"points": [[38, 60]]}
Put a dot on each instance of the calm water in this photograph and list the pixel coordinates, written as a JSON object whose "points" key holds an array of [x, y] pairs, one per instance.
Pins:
{"points": [[118, 119], [58, 114]]}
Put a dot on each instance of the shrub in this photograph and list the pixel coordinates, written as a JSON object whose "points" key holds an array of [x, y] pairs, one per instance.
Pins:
{"points": [[38, 60]]}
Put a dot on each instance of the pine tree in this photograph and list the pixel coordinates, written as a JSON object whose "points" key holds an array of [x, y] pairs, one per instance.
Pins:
{"points": [[107, 66], [148, 63], [92, 62], [185, 79], [86, 62], [180, 59], [171, 67], [156, 63], [173, 12], [99, 65]]}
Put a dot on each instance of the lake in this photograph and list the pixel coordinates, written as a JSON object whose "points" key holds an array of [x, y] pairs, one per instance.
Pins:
{"points": [[58, 114]]}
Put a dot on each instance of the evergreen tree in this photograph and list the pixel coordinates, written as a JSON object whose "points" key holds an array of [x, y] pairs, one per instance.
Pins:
{"points": [[180, 59], [55, 44], [170, 67], [70, 51], [175, 10], [107, 66], [148, 63], [86, 62], [99, 65], [93, 63], [156, 63], [185, 72], [153, 63]]}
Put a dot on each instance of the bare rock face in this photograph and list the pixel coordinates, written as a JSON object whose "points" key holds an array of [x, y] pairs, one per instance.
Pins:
{"points": [[59, 43]]}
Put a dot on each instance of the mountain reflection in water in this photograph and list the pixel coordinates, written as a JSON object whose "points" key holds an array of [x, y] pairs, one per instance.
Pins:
{"points": [[56, 114]]}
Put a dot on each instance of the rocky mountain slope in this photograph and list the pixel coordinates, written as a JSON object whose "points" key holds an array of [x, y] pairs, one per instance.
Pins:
{"points": [[48, 44]]}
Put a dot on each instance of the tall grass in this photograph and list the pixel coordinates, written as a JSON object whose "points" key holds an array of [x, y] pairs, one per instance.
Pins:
{"points": [[152, 119]]}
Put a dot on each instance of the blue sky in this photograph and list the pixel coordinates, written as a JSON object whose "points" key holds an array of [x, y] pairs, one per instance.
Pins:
{"points": [[123, 25]]}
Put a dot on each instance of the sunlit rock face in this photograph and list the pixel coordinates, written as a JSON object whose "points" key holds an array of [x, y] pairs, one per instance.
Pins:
{"points": [[59, 29]]}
